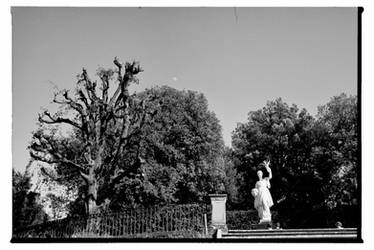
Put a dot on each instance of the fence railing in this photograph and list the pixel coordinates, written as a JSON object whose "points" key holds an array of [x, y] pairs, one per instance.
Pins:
{"points": [[140, 222]]}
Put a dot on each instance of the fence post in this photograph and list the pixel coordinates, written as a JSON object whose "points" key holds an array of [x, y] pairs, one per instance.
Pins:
{"points": [[219, 211], [206, 224]]}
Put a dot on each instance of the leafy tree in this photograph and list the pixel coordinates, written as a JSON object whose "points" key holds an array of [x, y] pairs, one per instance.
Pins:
{"points": [[102, 126], [282, 134], [231, 179], [182, 151], [336, 156], [26, 210], [314, 161]]}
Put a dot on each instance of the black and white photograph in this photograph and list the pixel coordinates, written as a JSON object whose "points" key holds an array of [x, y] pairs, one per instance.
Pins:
{"points": [[186, 124]]}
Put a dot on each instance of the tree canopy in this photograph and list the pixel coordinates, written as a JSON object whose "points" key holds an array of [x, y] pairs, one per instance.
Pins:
{"points": [[337, 125], [181, 150]]}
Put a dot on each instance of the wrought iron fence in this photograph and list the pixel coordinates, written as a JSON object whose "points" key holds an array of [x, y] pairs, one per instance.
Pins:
{"points": [[140, 222]]}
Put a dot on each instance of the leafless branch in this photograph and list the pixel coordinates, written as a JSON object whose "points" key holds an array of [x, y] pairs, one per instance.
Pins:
{"points": [[52, 120]]}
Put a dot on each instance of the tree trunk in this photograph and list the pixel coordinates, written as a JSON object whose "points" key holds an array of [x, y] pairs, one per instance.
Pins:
{"points": [[91, 199], [91, 206], [91, 193]]}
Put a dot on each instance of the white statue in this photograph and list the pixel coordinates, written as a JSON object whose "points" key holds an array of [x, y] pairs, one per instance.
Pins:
{"points": [[263, 200]]}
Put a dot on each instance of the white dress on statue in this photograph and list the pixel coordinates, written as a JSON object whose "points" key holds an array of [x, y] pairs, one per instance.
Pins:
{"points": [[263, 201]]}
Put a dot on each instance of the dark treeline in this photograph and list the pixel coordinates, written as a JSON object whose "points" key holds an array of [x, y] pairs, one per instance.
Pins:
{"points": [[163, 146]]}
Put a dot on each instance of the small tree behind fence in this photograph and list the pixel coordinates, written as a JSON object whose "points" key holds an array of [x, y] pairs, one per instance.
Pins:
{"points": [[140, 222]]}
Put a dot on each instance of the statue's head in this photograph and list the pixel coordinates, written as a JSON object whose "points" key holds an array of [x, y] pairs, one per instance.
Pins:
{"points": [[260, 174], [254, 192]]}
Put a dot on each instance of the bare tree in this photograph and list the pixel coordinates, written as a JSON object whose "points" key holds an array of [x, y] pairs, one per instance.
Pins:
{"points": [[104, 124]]}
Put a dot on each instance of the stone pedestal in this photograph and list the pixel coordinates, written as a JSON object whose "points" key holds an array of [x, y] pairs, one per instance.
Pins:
{"points": [[219, 211]]}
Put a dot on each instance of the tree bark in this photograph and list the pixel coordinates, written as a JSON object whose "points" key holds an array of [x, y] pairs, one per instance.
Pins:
{"points": [[91, 200], [91, 193]]}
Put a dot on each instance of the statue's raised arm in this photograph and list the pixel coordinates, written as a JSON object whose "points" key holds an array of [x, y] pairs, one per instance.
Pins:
{"points": [[267, 166]]}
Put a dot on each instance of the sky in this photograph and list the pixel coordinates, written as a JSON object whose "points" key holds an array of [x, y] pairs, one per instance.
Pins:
{"points": [[239, 58]]}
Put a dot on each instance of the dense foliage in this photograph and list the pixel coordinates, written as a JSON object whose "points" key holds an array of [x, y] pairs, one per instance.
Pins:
{"points": [[181, 150], [26, 209], [247, 219]]}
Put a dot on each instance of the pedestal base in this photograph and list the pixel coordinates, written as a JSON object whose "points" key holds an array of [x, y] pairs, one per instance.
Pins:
{"points": [[222, 228], [219, 230]]}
